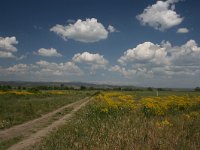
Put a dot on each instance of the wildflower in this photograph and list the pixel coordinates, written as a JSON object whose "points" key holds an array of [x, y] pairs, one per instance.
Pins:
{"points": [[187, 116], [194, 114], [4, 124], [56, 92], [20, 92], [164, 123], [105, 110]]}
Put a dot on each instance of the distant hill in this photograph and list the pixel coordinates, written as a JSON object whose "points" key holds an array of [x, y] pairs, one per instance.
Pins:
{"points": [[79, 84], [73, 84]]}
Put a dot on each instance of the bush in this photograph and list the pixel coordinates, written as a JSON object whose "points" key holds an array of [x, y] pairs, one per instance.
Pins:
{"points": [[33, 90], [197, 89]]}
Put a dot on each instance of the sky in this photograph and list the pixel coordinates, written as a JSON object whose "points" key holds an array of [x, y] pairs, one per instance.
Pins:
{"points": [[124, 42]]}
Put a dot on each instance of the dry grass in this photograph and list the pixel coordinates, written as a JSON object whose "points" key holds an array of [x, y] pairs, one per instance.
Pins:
{"points": [[104, 126], [17, 107]]}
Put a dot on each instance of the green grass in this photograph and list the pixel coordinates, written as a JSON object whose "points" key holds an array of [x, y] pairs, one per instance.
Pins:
{"points": [[60, 114], [141, 94], [6, 144], [92, 129], [16, 109]]}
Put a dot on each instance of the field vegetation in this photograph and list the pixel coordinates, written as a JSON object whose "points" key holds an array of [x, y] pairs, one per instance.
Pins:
{"points": [[132, 120], [18, 106]]}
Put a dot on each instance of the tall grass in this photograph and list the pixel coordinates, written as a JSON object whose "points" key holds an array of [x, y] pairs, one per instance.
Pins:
{"points": [[94, 127], [18, 108]]}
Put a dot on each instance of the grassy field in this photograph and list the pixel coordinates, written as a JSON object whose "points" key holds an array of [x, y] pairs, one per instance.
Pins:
{"points": [[142, 94], [132, 120], [17, 107]]}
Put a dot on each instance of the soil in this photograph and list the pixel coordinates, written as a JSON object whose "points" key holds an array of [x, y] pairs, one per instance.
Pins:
{"points": [[26, 129]]}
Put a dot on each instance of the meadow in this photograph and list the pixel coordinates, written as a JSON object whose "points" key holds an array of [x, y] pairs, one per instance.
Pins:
{"points": [[132, 120], [17, 107]]}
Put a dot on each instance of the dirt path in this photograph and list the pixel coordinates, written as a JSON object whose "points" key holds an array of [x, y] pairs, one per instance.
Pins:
{"points": [[27, 128], [36, 137]]}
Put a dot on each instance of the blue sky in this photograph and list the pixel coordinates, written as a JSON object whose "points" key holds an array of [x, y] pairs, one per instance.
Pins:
{"points": [[129, 42]]}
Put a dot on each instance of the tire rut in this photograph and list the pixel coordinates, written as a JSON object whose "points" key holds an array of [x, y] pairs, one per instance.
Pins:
{"points": [[37, 137], [27, 128]]}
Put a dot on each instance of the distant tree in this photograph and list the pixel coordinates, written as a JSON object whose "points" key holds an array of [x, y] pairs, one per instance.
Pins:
{"points": [[71, 88], [62, 86], [33, 90], [91, 88], [127, 89], [160, 89], [5, 87], [117, 88], [82, 88], [150, 89], [197, 89], [66, 88]]}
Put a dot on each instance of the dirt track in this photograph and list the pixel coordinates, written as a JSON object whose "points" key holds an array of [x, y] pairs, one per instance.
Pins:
{"points": [[27, 128]]}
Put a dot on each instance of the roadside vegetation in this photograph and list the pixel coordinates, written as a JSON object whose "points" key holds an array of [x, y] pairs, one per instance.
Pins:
{"points": [[128, 120], [18, 106]]}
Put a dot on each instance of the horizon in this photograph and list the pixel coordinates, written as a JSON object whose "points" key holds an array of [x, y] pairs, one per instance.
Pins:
{"points": [[146, 44], [72, 83]]}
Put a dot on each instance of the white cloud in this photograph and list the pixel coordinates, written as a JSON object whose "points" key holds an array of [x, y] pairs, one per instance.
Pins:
{"points": [[125, 72], [7, 47], [7, 44], [187, 54], [176, 70], [18, 68], [48, 52], [182, 30], [86, 31], [112, 29], [68, 68], [95, 60], [160, 16], [161, 59], [24, 56], [43, 69], [145, 52], [6, 54]]}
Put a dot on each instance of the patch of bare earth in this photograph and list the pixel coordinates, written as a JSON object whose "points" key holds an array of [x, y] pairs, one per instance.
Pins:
{"points": [[26, 130]]}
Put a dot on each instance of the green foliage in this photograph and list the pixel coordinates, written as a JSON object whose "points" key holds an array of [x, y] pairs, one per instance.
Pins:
{"points": [[16, 109], [197, 89], [83, 88], [5, 87], [6, 144], [150, 89], [33, 90], [97, 128]]}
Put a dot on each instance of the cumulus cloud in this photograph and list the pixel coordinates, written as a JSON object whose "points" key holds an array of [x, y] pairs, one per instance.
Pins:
{"points": [[131, 72], [6, 54], [186, 54], [48, 52], [183, 70], [68, 68], [160, 59], [95, 60], [112, 29], [182, 30], [7, 44], [7, 47], [42, 69], [145, 52], [86, 31], [160, 16], [18, 68], [125, 72]]}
